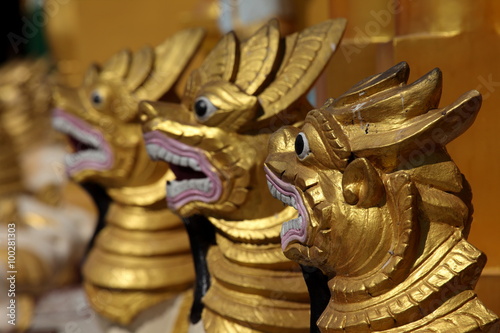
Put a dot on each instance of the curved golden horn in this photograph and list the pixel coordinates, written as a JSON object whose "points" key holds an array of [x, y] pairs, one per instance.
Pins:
{"points": [[258, 58], [171, 57], [394, 100], [91, 75], [141, 66], [440, 126], [307, 54], [117, 66], [391, 78], [219, 65], [221, 62]]}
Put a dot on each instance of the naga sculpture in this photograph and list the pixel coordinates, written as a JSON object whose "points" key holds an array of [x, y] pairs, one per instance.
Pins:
{"points": [[25, 104], [139, 271], [215, 142], [50, 232], [383, 210]]}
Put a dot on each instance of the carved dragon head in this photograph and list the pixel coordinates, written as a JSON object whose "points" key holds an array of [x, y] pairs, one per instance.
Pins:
{"points": [[375, 189], [25, 101], [101, 117], [215, 140]]}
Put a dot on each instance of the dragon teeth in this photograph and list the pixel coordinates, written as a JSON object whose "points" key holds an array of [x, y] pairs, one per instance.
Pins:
{"points": [[176, 187], [286, 199], [159, 153], [165, 155], [183, 161], [64, 126], [176, 159], [295, 224], [193, 164], [152, 150], [96, 154], [87, 155]]}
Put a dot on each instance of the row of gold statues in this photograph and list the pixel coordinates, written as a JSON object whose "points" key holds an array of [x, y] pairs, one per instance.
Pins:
{"points": [[366, 231]]}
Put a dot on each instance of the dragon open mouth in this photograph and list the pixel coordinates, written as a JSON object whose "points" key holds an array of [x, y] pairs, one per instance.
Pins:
{"points": [[195, 180], [294, 229], [91, 151]]}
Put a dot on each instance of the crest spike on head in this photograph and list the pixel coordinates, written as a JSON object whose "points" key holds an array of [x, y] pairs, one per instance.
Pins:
{"points": [[277, 72], [171, 58], [307, 54], [384, 113], [393, 77], [141, 66], [259, 55], [388, 96], [91, 76], [117, 65], [221, 63]]}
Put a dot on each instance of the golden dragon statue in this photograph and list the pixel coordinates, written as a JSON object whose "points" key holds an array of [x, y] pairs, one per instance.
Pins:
{"points": [[21, 287], [47, 232], [384, 212], [215, 142], [139, 271]]}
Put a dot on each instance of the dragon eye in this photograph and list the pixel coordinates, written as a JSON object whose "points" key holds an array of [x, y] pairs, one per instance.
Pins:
{"points": [[302, 146], [96, 98], [203, 108]]}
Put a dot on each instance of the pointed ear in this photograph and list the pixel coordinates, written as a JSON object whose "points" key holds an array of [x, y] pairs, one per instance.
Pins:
{"points": [[361, 184], [118, 65], [91, 75]]}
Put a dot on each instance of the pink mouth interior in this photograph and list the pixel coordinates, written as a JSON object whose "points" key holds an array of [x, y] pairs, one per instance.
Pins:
{"points": [[80, 146], [182, 173], [178, 148], [290, 190]]}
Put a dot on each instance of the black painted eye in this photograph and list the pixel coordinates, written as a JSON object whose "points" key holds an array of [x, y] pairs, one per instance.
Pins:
{"points": [[302, 146], [203, 108], [96, 98]]}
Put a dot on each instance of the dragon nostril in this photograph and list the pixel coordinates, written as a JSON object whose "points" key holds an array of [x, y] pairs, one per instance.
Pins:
{"points": [[148, 111]]}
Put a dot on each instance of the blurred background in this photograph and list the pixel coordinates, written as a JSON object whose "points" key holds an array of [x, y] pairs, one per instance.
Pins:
{"points": [[459, 36]]}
